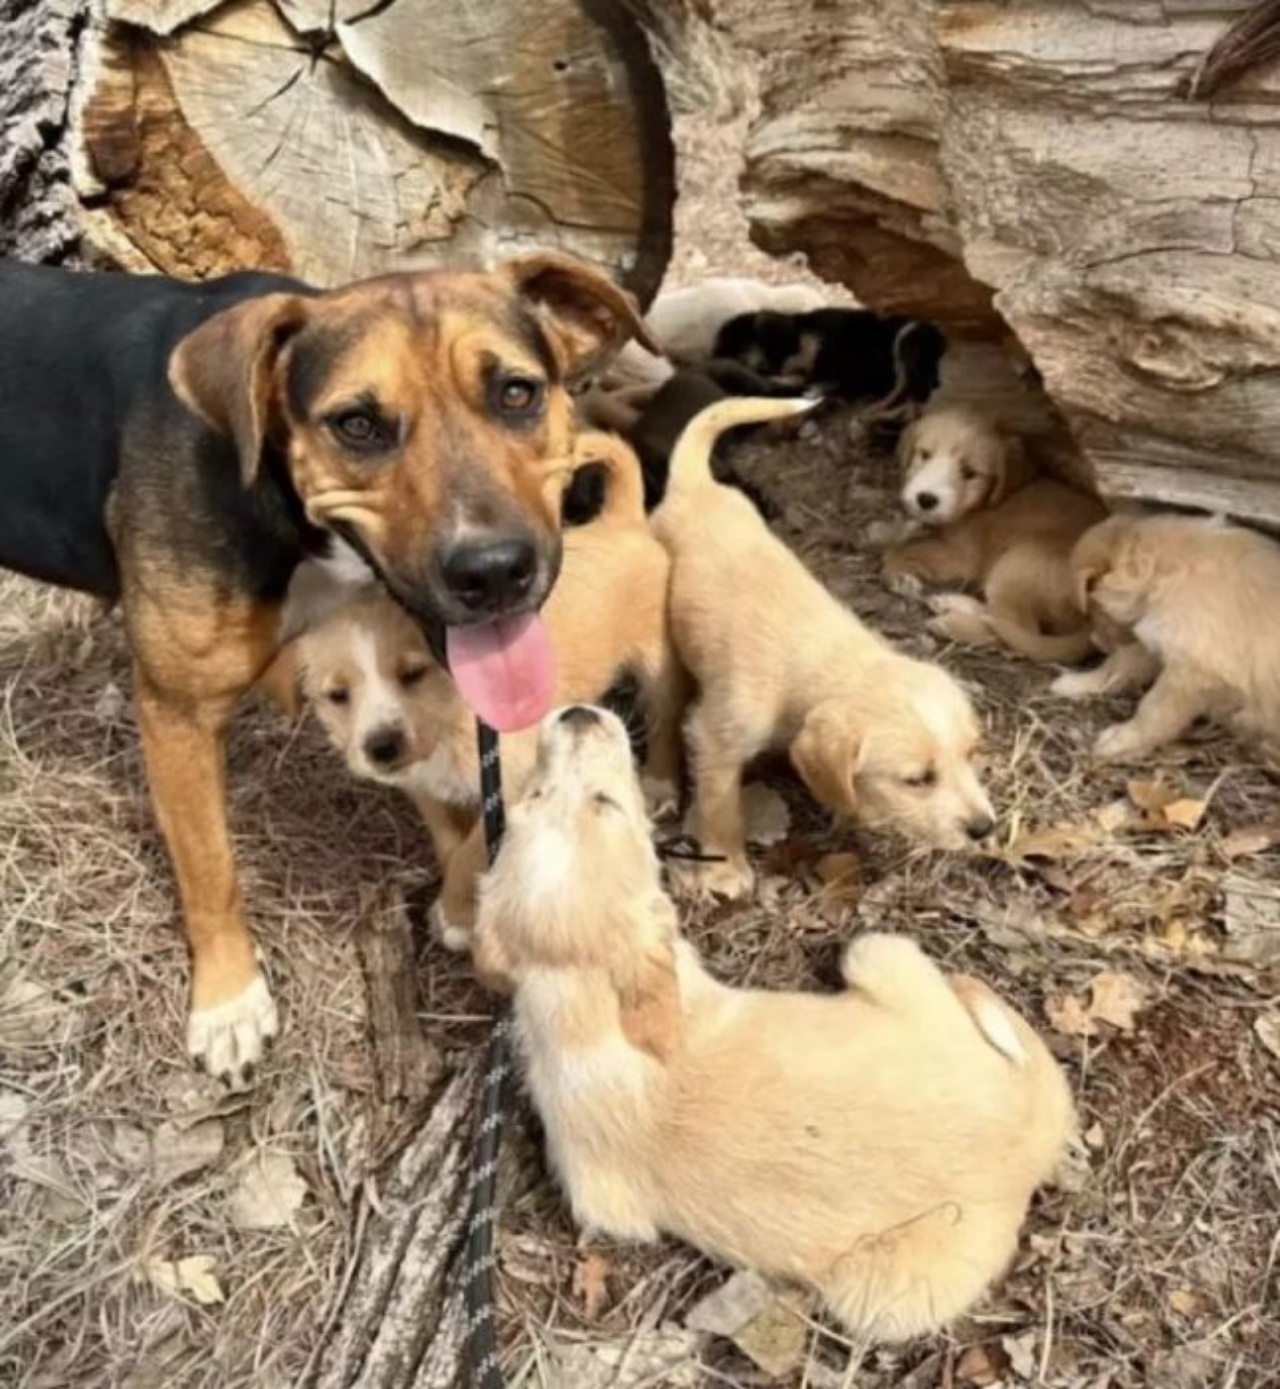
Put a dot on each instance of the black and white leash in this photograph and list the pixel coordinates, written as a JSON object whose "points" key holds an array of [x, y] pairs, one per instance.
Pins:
{"points": [[479, 1259]]}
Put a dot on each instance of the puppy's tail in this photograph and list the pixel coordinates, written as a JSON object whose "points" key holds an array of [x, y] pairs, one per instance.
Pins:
{"points": [[1066, 648], [691, 457], [624, 495]]}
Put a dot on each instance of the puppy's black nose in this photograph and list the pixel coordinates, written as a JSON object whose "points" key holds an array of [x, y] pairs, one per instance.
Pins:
{"points": [[384, 746], [979, 828], [926, 501], [580, 716], [490, 576]]}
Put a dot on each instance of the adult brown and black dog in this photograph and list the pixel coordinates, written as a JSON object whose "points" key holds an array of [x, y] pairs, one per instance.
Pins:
{"points": [[181, 447]]}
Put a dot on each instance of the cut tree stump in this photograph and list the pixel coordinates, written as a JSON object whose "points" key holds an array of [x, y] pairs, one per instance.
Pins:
{"points": [[1042, 167], [333, 139]]}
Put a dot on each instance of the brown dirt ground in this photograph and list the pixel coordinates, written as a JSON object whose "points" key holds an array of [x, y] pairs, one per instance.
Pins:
{"points": [[1159, 1270]]}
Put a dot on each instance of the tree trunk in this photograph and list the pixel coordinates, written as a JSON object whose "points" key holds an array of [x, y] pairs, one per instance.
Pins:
{"points": [[1039, 165], [333, 139]]}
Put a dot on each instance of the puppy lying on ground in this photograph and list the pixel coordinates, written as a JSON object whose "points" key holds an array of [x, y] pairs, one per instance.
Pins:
{"points": [[879, 1145], [996, 523], [780, 663], [851, 353], [1197, 597], [397, 717]]}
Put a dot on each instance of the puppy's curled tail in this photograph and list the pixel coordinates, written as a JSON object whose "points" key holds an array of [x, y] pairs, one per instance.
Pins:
{"points": [[624, 496], [691, 457], [1067, 648]]}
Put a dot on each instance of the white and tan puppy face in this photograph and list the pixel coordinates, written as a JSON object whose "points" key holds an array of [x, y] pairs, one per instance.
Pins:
{"points": [[954, 461], [374, 686], [901, 758]]}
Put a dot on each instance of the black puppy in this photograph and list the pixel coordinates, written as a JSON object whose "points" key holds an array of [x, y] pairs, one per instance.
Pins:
{"points": [[850, 353]]}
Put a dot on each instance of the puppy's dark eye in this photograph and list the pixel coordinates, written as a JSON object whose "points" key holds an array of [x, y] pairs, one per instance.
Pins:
{"points": [[605, 802], [338, 695], [966, 473], [412, 675], [362, 429], [924, 455], [926, 778], [519, 398]]}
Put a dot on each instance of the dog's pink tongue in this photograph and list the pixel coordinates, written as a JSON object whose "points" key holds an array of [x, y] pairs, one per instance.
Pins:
{"points": [[505, 670]]}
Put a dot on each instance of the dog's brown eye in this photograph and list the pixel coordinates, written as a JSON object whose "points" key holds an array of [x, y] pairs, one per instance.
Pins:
{"points": [[362, 429], [519, 396], [412, 675], [924, 455], [967, 474], [926, 778], [338, 696]]}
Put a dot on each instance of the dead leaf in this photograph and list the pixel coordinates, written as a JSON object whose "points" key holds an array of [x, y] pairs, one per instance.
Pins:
{"points": [[1251, 918], [590, 1284], [1185, 1302], [31, 1014], [1267, 1027], [668, 1357], [982, 1365], [267, 1194], [13, 1113], [748, 1311], [1021, 1351], [1185, 813], [1251, 839], [1055, 842], [841, 877], [1151, 796], [1114, 998], [789, 856], [176, 1152], [1117, 999], [193, 1276], [1116, 816]]}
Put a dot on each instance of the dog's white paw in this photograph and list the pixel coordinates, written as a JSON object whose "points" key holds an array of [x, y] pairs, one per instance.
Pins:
{"points": [[229, 1040], [1075, 684], [1118, 742], [451, 935], [904, 585], [661, 797], [960, 618], [730, 880]]}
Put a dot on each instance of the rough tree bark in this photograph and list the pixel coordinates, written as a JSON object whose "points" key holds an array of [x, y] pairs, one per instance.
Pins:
{"points": [[330, 138], [1037, 165]]}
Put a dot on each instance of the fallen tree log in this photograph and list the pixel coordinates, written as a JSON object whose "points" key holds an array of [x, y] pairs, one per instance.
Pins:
{"points": [[1043, 168], [331, 138]]}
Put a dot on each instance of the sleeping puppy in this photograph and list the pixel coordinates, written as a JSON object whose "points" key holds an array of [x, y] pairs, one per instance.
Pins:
{"points": [[780, 663], [879, 1145], [850, 353], [1197, 598], [397, 717], [997, 523]]}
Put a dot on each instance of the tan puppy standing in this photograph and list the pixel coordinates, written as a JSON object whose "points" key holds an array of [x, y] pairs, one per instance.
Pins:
{"points": [[879, 1145], [397, 716], [995, 522], [1196, 598], [781, 664]]}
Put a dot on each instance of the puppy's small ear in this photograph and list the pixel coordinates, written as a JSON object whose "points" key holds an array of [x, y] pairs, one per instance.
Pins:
{"points": [[907, 446], [587, 314], [993, 1018], [825, 754], [224, 370]]}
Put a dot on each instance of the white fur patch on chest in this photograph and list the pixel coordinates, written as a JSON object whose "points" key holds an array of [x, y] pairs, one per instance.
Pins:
{"points": [[440, 777]]}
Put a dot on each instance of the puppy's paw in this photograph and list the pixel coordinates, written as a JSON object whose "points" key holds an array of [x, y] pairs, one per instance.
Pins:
{"points": [[1118, 742], [731, 880], [661, 797], [1076, 684], [229, 1039], [904, 584], [452, 935], [960, 618]]}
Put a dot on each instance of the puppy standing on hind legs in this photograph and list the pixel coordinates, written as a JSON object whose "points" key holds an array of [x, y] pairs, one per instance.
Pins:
{"points": [[779, 663], [879, 1145]]}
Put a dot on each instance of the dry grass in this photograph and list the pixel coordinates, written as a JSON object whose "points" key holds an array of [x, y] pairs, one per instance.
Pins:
{"points": [[1159, 1270]]}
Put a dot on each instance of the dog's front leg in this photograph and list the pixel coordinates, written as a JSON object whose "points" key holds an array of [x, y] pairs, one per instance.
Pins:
{"points": [[719, 821], [232, 1012], [665, 695], [1167, 710], [454, 912], [1128, 667]]}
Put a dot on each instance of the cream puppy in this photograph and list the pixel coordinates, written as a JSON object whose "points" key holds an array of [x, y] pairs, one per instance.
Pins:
{"points": [[1196, 598], [879, 1145], [781, 664], [995, 522]]}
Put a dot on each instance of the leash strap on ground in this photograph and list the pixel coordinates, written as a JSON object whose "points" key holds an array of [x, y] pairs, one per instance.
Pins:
{"points": [[478, 1258]]}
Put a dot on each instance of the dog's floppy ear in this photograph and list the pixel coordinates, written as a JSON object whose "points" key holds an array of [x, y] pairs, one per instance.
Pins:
{"points": [[825, 754], [223, 370], [648, 991], [907, 446], [1013, 467], [587, 314]]}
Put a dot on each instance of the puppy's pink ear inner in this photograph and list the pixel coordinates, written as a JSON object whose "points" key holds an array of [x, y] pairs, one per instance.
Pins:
{"points": [[991, 1017]]}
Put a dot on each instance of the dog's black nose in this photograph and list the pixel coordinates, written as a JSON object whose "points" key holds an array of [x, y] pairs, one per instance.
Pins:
{"points": [[926, 501], [489, 576], [384, 746], [580, 716], [979, 828]]}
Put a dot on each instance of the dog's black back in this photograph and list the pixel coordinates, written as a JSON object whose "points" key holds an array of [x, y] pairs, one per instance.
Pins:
{"points": [[83, 358]]}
